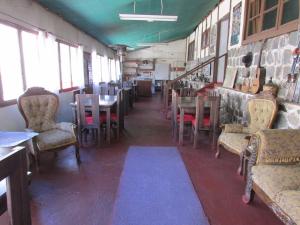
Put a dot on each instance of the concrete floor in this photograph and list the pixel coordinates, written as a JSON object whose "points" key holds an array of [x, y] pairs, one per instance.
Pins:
{"points": [[65, 194]]}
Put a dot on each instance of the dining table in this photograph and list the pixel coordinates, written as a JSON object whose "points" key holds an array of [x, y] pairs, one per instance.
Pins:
{"points": [[106, 102]]}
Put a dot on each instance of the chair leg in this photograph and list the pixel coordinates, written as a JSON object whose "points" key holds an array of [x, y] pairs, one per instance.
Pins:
{"points": [[37, 161], [98, 136], [241, 166], [218, 151], [195, 134], [77, 153]]}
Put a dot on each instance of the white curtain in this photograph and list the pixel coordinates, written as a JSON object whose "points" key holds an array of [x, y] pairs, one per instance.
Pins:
{"points": [[48, 50]]}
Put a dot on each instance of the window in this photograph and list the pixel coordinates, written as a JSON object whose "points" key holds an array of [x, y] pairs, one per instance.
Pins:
{"points": [[118, 69], [191, 49], [69, 71], [105, 69], [10, 63], [113, 70], [269, 18], [205, 39]]}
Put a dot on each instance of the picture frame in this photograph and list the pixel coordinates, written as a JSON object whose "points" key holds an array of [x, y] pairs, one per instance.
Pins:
{"points": [[230, 77]]}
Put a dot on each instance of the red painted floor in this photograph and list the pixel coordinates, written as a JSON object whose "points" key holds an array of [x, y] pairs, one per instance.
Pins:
{"points": [[65, 194]]}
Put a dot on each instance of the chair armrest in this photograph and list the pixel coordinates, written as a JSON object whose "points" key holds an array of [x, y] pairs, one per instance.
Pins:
{"points": [[70, 127], [233, 128], [275, 146]]}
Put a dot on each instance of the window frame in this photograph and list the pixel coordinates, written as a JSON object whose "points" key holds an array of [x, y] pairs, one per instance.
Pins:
{"points": [[191, 51], [72, 88], [205, 39], [277, 30], [20, 29]]}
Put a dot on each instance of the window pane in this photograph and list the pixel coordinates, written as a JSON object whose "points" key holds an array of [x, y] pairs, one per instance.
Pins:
{"points": [[105, 69], [31, 60], [253, 26], [113, 70], [74, 67], [10, 63], [290, 11], [65, 66], [270, 3], [269, 19], [255, 8]]}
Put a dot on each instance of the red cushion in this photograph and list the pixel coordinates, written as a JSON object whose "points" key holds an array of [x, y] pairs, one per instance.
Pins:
{"points": [[113, 118], [186, 118], [206, 121]]}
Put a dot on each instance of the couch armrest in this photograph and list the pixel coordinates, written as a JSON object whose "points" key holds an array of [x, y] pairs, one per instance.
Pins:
{"points": [[278, 146], [233, 128], [66, 127]]}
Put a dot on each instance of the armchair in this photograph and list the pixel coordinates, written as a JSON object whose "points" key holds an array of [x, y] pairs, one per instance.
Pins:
{"points": [[262, 110], [274, 172], [38, 108]]}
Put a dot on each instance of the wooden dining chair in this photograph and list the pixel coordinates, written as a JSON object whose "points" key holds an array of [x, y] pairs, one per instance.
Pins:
{"points": [[207, 117], [188, 114], [88, 118], [116, 116]]}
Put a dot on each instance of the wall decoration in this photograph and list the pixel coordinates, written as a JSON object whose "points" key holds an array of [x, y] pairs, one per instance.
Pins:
{"points": [[236, 24], [213, 39], [230, 77]]}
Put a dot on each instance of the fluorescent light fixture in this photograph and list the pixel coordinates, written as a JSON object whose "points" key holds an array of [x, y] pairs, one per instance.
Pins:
{"points": [[151, 44], [149, 18]]}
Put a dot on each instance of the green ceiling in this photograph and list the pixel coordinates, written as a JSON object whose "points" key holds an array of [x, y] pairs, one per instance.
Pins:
{"points": [[100, 18]]}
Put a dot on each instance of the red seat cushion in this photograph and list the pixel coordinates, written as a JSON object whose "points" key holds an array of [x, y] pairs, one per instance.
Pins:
{"points": [[206, 121], [186, 118], [113, 118]]}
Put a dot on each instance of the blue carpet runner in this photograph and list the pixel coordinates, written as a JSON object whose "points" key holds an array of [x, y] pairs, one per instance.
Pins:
{"points": [[155, 189]]}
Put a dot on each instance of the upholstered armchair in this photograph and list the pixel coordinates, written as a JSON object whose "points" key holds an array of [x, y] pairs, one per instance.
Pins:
{"points": [[38, 107], [262, 111], [273, 172]]}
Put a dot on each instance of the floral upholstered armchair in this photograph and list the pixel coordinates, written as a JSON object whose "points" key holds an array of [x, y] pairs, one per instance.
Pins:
{"points": [[262, 111], [38, 107], [274, 172]]}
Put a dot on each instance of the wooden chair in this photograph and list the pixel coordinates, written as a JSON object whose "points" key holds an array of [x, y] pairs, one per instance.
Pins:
{"points": [[117, 116], [88, 118], [38, 108], [206, 120], [188, 114]]}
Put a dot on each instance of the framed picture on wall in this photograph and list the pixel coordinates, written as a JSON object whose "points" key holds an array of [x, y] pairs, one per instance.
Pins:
{"points": [[230, 77], [236, 24], [213, 39]]}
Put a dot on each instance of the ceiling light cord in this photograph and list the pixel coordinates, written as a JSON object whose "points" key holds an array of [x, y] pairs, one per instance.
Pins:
{"points": [[161, 7], [134, 7]]}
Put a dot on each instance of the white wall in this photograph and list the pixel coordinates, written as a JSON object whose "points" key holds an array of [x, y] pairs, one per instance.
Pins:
{"points": [[29, 14], [173, 53]]}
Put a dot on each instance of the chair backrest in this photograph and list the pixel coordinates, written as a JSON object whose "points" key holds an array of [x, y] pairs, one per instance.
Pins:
{"points": [[88, 89], [38, 108], [262, 110], [211, 102], [187, 92], [87, 108]]}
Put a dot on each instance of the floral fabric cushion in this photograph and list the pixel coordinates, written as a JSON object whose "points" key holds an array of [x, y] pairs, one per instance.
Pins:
{"points": [[278, 146], [234, 142], [40, 111], [262, 112], [273, 179], [54, 138], [289, 202]]}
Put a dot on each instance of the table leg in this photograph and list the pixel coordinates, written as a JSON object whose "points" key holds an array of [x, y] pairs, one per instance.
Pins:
{"points": [[17, 193], [181, 127], [108, 125]]}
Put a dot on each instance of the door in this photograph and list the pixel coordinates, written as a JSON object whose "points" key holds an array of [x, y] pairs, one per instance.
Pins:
{"points": [[222, 47]]}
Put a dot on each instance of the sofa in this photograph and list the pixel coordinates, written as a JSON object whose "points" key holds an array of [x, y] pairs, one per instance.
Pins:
{"points": [[273, 172]]}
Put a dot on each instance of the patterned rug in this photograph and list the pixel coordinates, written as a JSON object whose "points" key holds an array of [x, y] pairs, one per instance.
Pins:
{"points": [[155, 189]]}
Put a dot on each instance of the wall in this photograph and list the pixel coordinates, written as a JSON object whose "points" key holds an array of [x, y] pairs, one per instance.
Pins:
{"points": [[172, 53], [276, 58], [28, 13]]}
